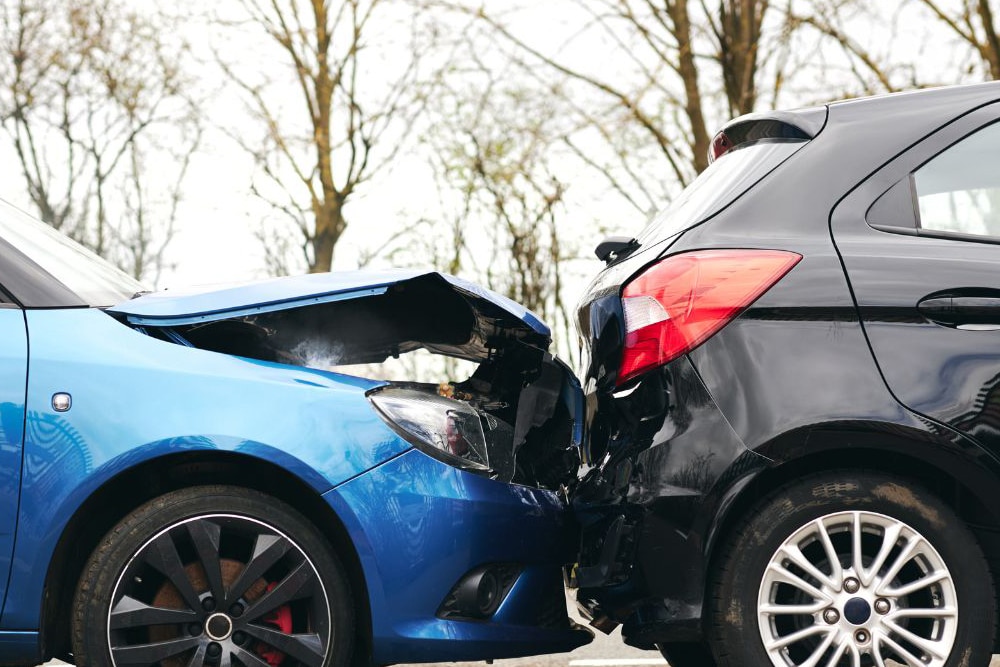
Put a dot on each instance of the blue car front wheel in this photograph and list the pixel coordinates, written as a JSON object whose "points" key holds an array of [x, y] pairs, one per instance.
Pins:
{"points": [[213, 576]]}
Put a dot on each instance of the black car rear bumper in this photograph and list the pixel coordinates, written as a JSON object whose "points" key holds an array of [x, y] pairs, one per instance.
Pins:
{"points": [[649, 512]]}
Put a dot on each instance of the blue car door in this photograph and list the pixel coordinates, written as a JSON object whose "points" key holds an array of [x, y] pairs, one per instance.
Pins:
{"points": [[13, 379]]}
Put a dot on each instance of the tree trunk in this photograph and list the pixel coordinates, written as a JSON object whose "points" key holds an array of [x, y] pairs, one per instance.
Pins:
{"points": [[740, 23], [992, 51], [688, 70], [330, 224]]}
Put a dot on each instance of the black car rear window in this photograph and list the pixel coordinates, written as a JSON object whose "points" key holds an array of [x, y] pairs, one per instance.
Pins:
{"points": [[723, 182]]}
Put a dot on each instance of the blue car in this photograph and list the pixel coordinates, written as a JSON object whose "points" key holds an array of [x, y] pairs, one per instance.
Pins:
{"points": [[184, 482]]}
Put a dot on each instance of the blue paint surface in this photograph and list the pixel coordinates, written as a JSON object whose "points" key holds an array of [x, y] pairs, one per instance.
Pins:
{"points": [[136, 399], [13, 370], [417, 525]]}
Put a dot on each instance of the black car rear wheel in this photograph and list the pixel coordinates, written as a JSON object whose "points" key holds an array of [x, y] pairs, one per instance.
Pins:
{"points": [[852, 570], [213, 575]]}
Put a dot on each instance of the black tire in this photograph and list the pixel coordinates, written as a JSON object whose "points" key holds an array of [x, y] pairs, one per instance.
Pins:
{"points": [[751, 581], [687, 654], [274, 571]]}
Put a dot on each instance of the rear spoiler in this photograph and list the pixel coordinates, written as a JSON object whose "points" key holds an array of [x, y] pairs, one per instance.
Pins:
{"points": [[800, 125]]}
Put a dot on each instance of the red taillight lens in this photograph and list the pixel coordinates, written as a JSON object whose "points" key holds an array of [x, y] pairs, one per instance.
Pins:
{"points": [[721, 145], [678, 303]]}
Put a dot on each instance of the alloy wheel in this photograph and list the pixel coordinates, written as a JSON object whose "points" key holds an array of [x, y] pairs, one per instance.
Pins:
{"points": [[223, 590], [853, 589]]}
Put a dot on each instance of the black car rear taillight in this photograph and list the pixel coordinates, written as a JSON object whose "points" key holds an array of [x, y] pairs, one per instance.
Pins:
{"points": [[679, 302]]}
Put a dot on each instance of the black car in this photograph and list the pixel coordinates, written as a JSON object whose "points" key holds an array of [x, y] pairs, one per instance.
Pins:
{"points": [[793, 389]]}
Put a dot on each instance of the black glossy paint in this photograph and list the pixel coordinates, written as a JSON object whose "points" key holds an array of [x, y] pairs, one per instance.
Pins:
{"points": [[793, 385]]}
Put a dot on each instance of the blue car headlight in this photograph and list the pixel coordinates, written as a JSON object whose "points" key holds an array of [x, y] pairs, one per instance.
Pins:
{"points": [[449, 430]]}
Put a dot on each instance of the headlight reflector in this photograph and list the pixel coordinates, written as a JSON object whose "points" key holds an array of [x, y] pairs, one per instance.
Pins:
{"points": [[449, 430]]}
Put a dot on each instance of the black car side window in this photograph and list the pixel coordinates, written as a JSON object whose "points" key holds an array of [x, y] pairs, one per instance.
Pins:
{"points": [[958, 191]]}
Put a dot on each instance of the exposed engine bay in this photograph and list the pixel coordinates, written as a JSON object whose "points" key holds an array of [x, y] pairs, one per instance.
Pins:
{"points": [[516, 419]]}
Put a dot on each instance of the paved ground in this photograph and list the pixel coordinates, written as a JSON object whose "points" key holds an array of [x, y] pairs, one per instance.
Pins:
{"points": [[604, 651], [609, 652]]}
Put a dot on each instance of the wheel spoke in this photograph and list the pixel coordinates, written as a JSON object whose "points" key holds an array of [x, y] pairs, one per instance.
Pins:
{"points": [[306, 648], [267, 550], [931, 612], [130, 613], [162, 555], [206, 536], [924, 644], [902, 559], [835, 658], [817, 655], [148, 654], [298, 583], [877, 638], [855, 655], [857, 560], [831, 553], [794, 554], [902, 653], [247, 658], [198, 658], [889, 539], [791, 579], [793, 609], [917, 585], [791, 638]]}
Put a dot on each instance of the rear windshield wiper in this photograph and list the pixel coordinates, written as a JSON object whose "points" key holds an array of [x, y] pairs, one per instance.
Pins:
{"points": [[614, 248]]}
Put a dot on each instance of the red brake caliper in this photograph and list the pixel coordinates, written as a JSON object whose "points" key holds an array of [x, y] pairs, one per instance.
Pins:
{"points": [[281, 619]]}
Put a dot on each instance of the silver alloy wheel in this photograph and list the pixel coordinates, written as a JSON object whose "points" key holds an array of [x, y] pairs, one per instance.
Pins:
{"points": [[902, 606], [249, 575]]}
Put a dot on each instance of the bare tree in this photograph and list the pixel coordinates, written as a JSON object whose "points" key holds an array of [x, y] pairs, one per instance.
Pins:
{"points": [[495, 144], [855, 47], [673, 70], [90, 93], [318, 137], [973, 22]]}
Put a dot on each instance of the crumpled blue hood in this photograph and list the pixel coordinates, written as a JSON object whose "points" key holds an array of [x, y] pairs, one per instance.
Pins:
{"points": [[212, 302], [189, 306]]}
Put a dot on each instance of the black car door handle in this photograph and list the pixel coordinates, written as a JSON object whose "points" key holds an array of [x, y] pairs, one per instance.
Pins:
{"points": [[961, 310]]}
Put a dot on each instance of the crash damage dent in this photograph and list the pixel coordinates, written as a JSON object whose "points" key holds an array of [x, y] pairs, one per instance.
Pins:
{"points": [[527, 402]]}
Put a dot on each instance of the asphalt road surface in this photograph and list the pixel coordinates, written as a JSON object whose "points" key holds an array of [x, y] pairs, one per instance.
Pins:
{"points": [[604, 651]]}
